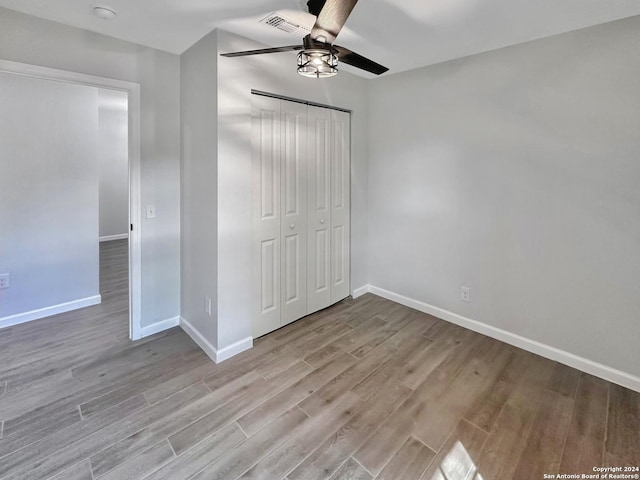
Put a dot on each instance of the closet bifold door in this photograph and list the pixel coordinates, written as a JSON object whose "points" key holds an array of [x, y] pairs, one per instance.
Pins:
{"points": [[300, 210], [318, 208], [266, 213], [293, 152], [340, 205]]}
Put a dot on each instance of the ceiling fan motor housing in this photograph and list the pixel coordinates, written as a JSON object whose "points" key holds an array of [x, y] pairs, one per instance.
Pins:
{"points": [[319, 57], [311, 44]]}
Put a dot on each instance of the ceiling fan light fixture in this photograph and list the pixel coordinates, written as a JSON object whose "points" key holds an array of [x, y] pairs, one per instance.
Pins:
{"points": [[317, 63]]}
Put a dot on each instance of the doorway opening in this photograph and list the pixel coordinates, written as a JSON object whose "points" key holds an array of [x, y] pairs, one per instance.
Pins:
{"points": [[113, 199], [128, 249]]}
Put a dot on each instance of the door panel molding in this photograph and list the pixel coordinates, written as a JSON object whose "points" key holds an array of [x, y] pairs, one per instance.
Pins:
{"points": [[341, 208], [293, 133], [266, 216], [319, 194]]}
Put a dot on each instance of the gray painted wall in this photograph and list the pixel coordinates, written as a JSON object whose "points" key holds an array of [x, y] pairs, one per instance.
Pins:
{"points": [[113, 160], [199, 262], [516, 173], [48, 193], [35, 41]]}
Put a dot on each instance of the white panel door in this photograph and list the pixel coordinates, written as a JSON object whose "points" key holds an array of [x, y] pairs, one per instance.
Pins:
{"points": [[266, 144], [293, 153], [340, 205], [301, 210], [318, 208]]}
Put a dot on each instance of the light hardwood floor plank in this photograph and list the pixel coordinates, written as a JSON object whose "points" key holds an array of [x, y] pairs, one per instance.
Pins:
{"points": [[458, 457], [489, 404], [623, 434], [81, 471], [409, 462], [259, 417], [584, 447], [257, 393], [543, 450], [171, 423], [507, 439], [16, 455], [303, 438], [201, 455], [351, 470], [136, 467], [323, 397], [252, 450], [331, 453], [98, 441]]}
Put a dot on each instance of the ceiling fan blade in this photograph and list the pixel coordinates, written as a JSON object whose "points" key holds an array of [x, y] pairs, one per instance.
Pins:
{"points": [[260, 51], [331, 19], [315, 6], [347, 56]]}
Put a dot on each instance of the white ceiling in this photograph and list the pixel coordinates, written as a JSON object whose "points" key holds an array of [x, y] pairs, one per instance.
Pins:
{"points": [[401, 34]]}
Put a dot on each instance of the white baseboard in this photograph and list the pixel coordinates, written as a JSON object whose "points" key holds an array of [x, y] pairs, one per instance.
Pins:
{"points": [[358, 292], [234, 349], [48, 311], [197, 337], [107, 238], [212, 352], [584, 364], [160, 326]]}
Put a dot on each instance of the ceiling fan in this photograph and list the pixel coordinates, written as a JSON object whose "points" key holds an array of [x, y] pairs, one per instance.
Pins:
{"points": [[318, 55]]}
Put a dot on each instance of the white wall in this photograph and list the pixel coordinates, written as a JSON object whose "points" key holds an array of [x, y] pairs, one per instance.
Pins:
{"points": [[113, 160], [516, 173], [35, 41], [199, 186], [48, 194]]}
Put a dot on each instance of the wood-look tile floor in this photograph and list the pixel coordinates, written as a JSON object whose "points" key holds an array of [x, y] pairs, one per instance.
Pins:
{"points": [[365, 389]]}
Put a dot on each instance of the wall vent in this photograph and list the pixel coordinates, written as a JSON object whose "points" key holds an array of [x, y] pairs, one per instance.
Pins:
{"points": [[281, 22]]}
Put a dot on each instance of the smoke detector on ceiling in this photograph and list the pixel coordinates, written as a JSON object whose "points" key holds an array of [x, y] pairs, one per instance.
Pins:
{"points": [[105, 13]]}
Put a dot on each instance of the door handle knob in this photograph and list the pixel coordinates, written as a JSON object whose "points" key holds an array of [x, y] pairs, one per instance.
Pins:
{"points": [[292, 226], [322, 221]]}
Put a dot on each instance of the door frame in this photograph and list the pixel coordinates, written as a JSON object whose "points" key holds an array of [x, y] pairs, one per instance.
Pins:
{"points": [[133, 92]]}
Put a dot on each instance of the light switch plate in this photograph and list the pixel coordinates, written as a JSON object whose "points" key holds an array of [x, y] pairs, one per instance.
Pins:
{"points": [[151, 211]]}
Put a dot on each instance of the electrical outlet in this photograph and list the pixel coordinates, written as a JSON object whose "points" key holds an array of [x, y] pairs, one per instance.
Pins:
{"points": [[207, 305], [465, 294], [5, 280]]}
